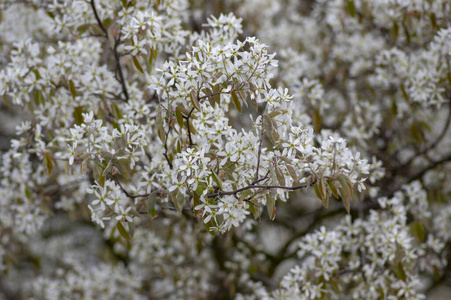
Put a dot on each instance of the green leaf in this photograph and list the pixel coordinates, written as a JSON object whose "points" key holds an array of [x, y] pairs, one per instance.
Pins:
{"points": [[419, 231], [323, 190], [292, 172], [217, 180], [122, 230], [236, 101], [254, 210], [179, 116], [78, 117], [151, 204], [333, 189], [194, 101], [216, 92], [271, 206], [280, 176], [346, 200], [72, 89], [179, 201], [346, 185], [394, 32], [351, 8], [48, 161], [208, 226], [117, 111], [400, 271], [317, 192], [137, 65], [131, 228], [196, 199]]}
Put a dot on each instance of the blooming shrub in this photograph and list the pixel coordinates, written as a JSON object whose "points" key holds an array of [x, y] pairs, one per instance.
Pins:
{"points": [[162, 149]]}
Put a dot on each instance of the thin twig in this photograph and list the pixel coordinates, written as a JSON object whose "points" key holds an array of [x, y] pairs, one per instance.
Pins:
{"points": [[98, 19], [264, 187]]}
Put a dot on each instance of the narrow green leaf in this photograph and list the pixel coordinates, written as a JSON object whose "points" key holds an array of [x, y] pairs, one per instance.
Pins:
{"points": [[271, 206], [194, 101], [401, 272], [292, 172], [280, 176], [419, 231], [346, 200], [179, 116], [196, 199], [151, 204], [179, 201], [48, 161], [131, 228], [217, 180], [72, 89], [254, 210], [122, 230], [236, 101], [351, 8], [137, 65], [333, 189], [345, 185], [78, 117], [317, 192]]}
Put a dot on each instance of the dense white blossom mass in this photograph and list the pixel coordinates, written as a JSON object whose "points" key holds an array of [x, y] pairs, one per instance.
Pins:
{"points": [[174, 149]]}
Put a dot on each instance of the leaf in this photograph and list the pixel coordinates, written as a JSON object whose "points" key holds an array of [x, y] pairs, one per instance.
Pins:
{"points": [[271, 206], [194, 101], [400, 271], [37, 96], [292, 172], [117, 111], [333, 189], [137, 65], [316, 121], [436, 272], [217, 179], [346, 200], [48, 161], [280, 176], [84, 166], [216, 93], [196, 199], [151, 204], [323, 190], [122, 230], [179, 116], [236, 101], [72, 89], [346, 185], [394, 32], [208, 226], [317, 192], [131, 228], [419, 231], [179, 201], [351, 8], [254, 210]]}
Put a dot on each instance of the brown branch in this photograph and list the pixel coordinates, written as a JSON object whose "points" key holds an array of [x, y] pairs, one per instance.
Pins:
{"points": [[264, 187], [127, 193], [98, 19]]}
